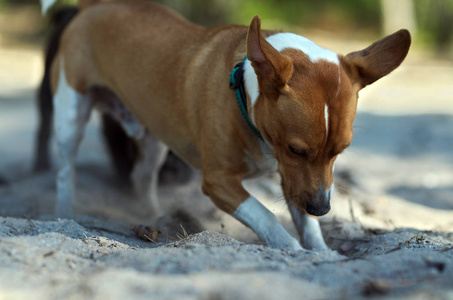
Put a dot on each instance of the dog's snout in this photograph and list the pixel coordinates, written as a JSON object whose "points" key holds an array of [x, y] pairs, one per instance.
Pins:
{"points": [[321, 202], [316, 210]]}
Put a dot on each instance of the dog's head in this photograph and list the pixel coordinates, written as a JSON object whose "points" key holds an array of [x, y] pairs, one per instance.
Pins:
{"points": [[305, 103]]}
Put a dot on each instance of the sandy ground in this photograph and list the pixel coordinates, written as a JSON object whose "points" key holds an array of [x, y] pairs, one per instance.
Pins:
{"points": [[391, 222]]}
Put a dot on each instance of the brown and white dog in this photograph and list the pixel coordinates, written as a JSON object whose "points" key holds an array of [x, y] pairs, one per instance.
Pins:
{"points": [[173, 77]]}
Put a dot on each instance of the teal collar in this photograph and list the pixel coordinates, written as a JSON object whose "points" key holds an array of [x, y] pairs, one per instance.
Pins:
{"points": [[237, 84]]}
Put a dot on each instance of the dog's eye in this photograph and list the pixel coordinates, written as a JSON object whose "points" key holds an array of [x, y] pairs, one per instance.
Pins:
{"points": [[299, 152]]}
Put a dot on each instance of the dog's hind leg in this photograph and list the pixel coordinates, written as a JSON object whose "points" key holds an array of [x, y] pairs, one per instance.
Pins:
{"points": [[145, 176], [309, 230], [72, 111]]}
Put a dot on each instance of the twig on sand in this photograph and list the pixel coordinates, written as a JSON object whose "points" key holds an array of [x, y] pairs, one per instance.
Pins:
{"points": [[394, 249], [30, 221], [13, 228], [148, 233], [57, 229], [184, 233], [150, 239], [401, 246]]}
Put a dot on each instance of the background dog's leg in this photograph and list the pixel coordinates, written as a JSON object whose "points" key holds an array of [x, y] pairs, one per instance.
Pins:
{"points": [[41, 160], [145, 176], [121, 147], [72, 112], [309, 230]]}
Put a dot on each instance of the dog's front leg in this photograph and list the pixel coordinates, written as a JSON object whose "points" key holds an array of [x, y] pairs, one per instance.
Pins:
{"points": [[253, 214], [309, 230], [229, 195]]}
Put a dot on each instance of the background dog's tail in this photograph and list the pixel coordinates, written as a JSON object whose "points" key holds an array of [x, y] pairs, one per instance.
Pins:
{"points": [[46, 4]]}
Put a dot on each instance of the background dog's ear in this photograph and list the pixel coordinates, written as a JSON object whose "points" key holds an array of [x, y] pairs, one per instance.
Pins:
{"points": [[382, 57], [272, 68]]}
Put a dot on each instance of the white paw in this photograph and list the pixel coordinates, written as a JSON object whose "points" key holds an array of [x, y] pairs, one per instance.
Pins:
{"points": [[295, 246], [315, 243], [288, 243]]}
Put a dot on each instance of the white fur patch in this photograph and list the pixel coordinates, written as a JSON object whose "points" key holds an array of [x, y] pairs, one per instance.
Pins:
{"points": [[251, 87], [253, 214], [281, 41], [326, 116], [251, 83]]}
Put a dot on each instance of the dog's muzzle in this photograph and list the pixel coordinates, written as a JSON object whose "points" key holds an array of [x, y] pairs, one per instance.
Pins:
{"points": [[320, 205]]}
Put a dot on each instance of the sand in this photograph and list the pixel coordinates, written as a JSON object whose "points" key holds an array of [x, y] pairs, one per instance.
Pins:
{"points": [[390, 228]]}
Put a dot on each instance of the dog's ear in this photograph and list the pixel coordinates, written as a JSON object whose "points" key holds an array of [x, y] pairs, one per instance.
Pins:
{"points": [[382, 57], [272, 68]]}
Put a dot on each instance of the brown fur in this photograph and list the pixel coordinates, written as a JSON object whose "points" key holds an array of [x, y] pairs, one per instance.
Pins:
{"points": [[174, 75]]}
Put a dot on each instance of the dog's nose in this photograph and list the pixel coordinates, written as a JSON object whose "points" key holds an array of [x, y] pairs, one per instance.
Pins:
{"points": [[321, 202], [317, 210]]}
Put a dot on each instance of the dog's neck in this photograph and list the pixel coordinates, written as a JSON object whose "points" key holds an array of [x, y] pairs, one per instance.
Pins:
{"points": [[281, 41], [237, 83]]}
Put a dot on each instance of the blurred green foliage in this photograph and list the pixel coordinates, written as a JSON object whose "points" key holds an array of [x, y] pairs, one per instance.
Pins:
{"points": [[435, 24], [325, 13], [433, 18]]}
